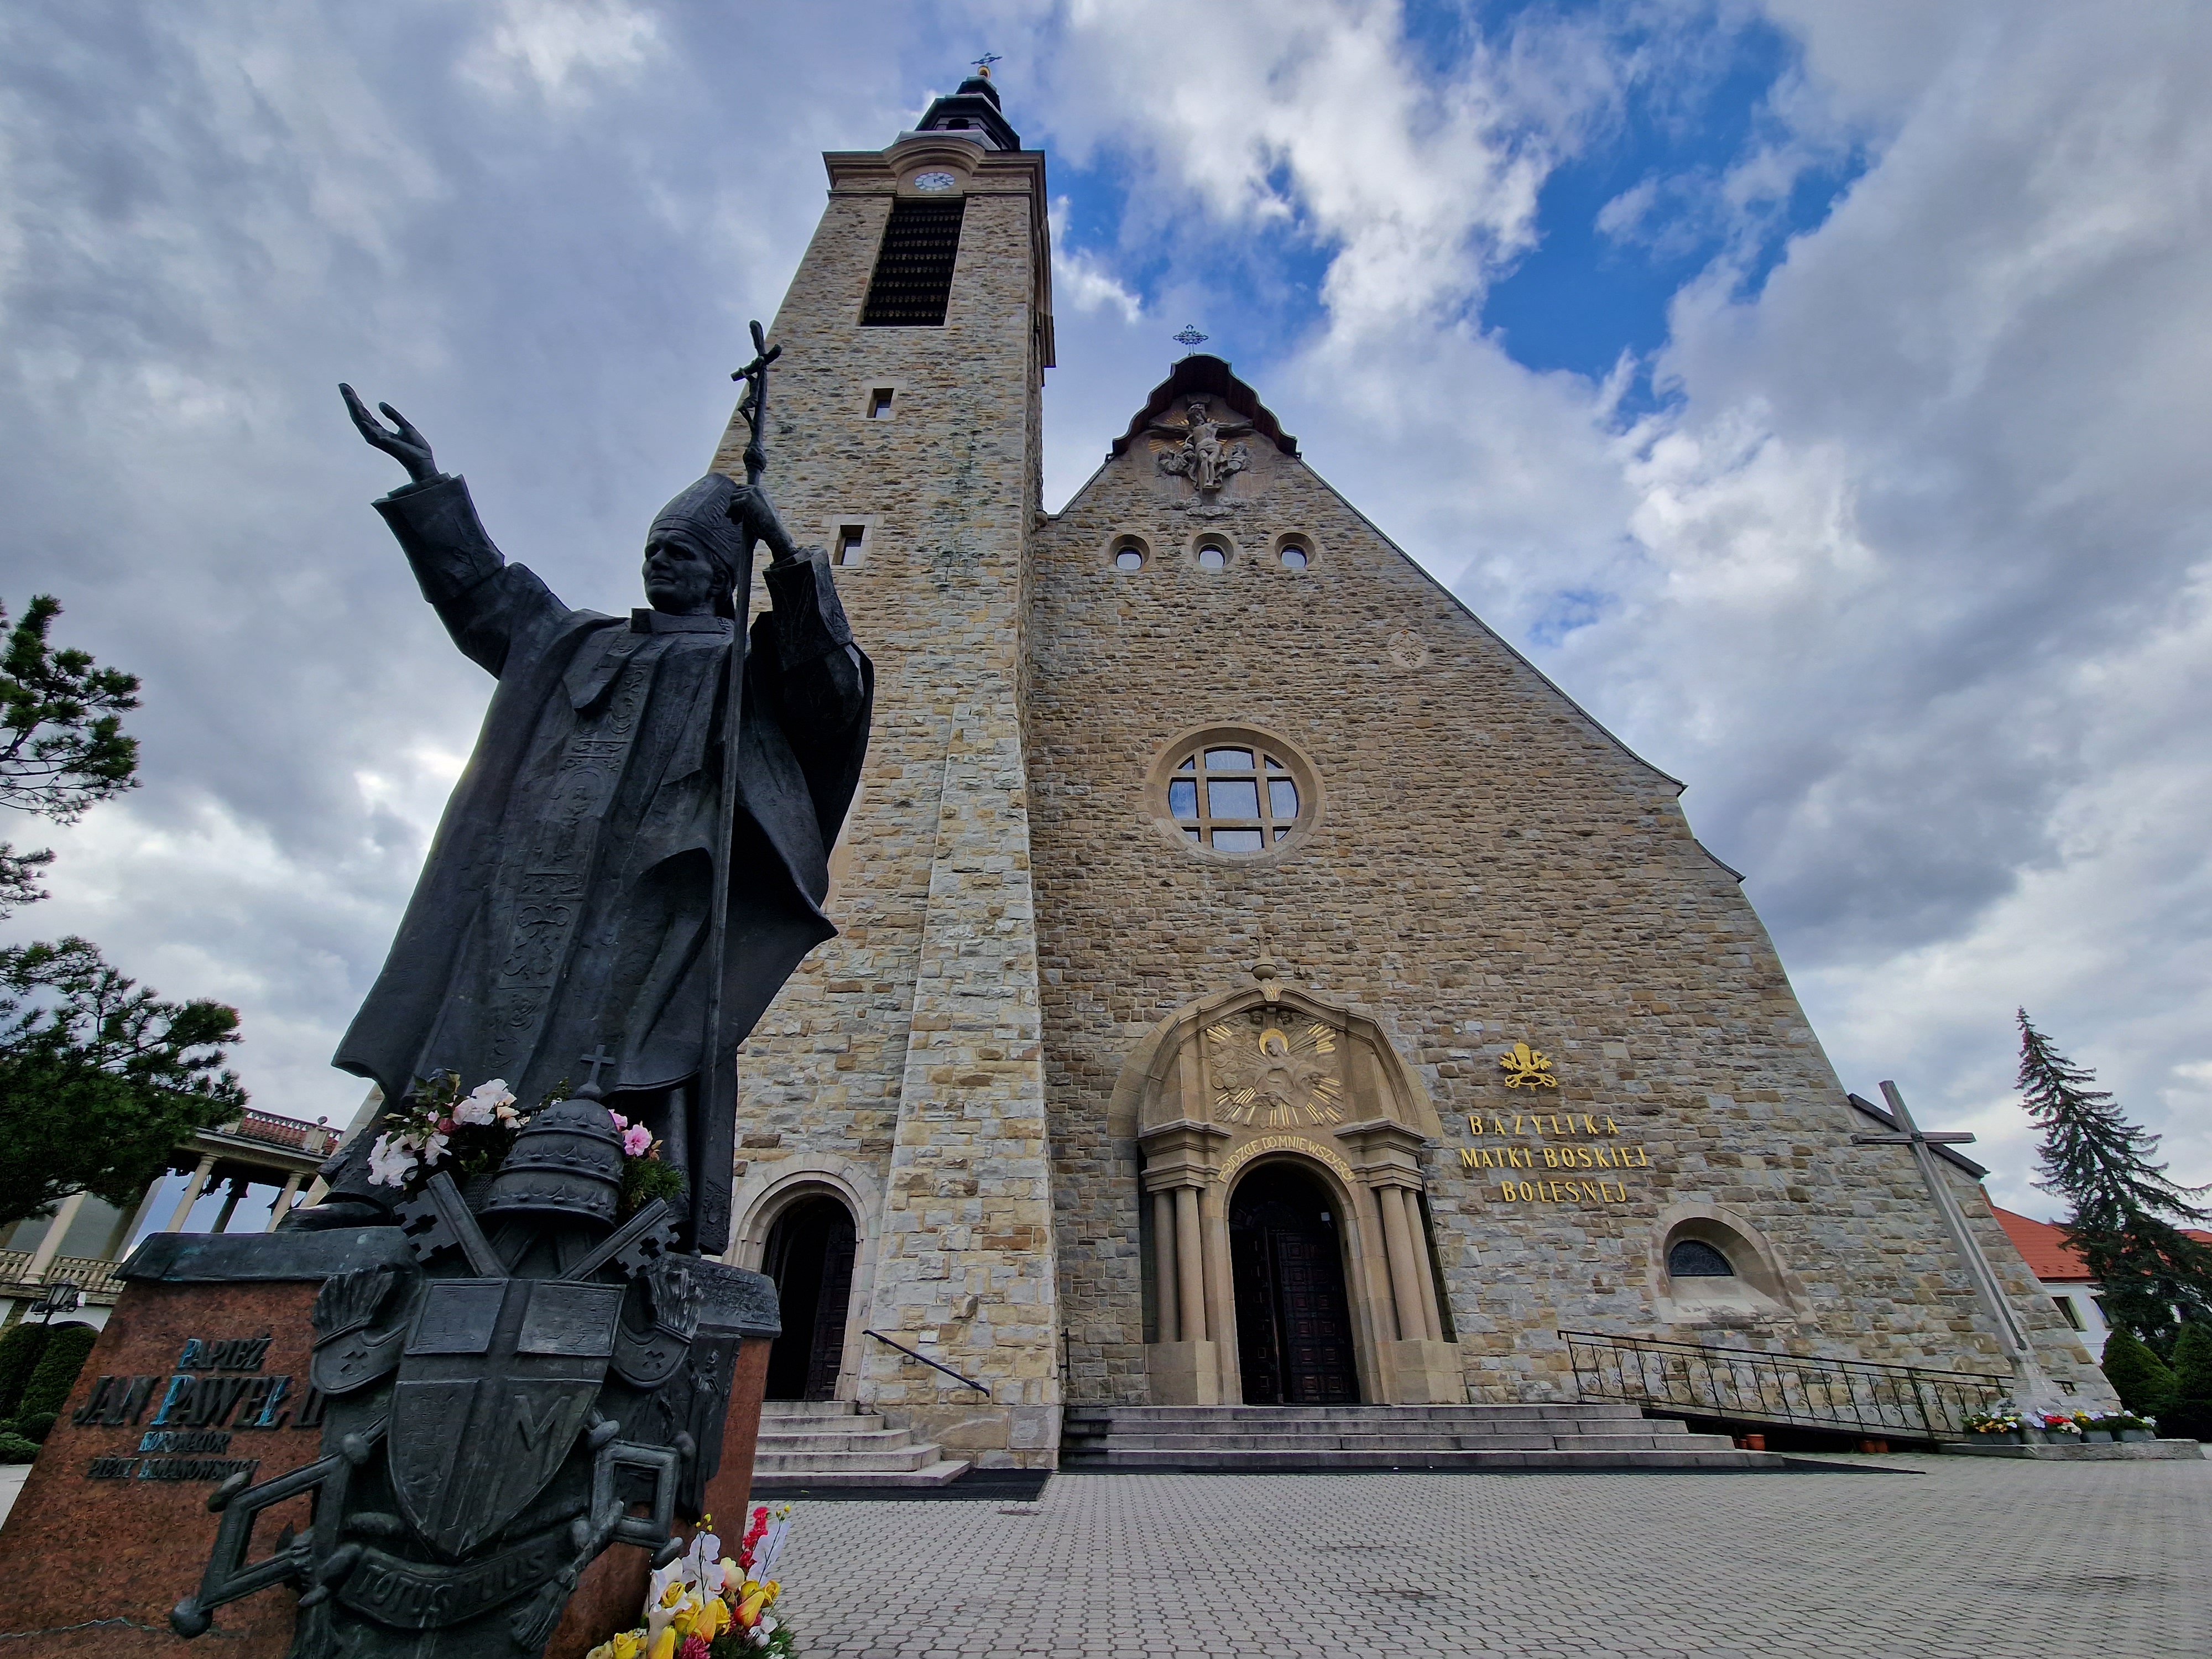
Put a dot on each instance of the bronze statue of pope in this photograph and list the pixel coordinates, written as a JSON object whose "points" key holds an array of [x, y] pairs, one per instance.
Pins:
{"points": [[621, 790]]}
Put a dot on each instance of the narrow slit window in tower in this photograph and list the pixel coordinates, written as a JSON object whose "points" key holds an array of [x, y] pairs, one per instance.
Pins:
{"points": [[849, 538], [879, 403], [912, 278]]}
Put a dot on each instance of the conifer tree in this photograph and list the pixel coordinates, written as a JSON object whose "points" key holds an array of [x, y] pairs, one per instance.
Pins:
{"points": [[2126, 1215], [2188, 1414], [2139, 1377]]}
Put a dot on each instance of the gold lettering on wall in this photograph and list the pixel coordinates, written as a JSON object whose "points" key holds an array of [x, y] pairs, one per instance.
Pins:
{"points": [[1251, 1149], [1592, 1150]]}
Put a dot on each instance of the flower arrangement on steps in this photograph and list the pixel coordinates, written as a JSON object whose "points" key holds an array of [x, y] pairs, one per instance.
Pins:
{"points": [[468, 1135], [706, 1605], [2009, 1423]]}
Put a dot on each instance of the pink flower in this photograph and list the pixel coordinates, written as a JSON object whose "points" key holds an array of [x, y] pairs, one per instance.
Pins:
{"points": [[619, 1121], [694, 1647], [444, 1126], [637, 1140]]}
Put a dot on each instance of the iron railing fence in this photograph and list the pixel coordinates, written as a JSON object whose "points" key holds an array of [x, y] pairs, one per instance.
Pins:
{"points": [[1745, 1385]]}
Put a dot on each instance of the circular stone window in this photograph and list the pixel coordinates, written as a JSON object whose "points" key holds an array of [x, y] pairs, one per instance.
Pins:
{"points": [[1213, 555], [1233, 791], [1294, 553], [1128, 554]]}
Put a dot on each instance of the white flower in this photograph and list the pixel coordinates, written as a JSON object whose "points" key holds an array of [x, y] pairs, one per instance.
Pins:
{"points": [[434, 1151], [483, 1102], [505, 1113], [700, 1562], [391, 1161]]}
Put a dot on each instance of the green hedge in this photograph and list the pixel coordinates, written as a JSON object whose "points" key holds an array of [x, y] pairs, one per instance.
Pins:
{"points": [[14, 1449], [55, 1374], [21, 1347]]}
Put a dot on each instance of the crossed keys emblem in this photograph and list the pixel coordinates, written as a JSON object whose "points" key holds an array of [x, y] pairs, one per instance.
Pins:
{"points": [[1526, 1069], [495, 1379]]}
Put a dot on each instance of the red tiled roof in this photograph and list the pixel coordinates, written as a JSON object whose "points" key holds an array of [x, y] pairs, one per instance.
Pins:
{"points": [[2044, 1246], [2049, 1254]]}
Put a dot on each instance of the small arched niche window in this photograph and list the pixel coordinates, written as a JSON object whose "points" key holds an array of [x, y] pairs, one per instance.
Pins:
{"points": [[1234, 799], [1213, 555], [1128, 554], [1294, 552], [1693, 1258]]}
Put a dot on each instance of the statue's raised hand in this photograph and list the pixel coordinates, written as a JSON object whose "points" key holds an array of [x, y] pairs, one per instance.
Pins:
{"points": [[750, 510], [407, 445]]}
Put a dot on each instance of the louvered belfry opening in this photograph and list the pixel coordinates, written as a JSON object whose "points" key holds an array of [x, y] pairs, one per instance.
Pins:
{"points": [[913, 277]]}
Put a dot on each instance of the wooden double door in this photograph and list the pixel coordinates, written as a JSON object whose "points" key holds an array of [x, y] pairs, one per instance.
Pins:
{"points": [[1293, 1322], [810, 1257]]}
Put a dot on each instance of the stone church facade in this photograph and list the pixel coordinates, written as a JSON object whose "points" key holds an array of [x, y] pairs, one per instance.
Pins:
{"points": [[1258, 983]]}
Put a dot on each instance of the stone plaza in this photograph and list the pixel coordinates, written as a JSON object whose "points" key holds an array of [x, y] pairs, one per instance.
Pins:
{"points": [[1888, 1557]]}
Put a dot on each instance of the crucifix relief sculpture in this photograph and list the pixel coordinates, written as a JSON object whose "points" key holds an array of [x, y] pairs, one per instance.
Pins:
{"points": [[635, 860], [1208, 459]]}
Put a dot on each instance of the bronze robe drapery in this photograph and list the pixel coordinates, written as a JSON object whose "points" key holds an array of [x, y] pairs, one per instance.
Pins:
{"points": [[565, 899]]}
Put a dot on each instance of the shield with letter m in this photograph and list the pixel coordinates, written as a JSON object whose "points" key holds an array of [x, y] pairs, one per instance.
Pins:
{"points": [[497, 1380]]}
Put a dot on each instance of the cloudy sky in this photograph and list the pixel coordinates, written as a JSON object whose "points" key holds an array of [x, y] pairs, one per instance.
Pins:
{"points": [[1817, 389]]}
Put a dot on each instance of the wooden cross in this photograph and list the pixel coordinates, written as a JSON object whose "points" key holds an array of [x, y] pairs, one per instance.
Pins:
{"points": [[1923, 1143], [596, 1060]]}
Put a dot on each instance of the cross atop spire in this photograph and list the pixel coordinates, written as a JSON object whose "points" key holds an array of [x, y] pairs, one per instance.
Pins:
{"points": [[984, 64]]}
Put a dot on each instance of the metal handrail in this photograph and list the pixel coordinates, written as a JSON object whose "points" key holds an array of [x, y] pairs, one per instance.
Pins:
{"points": [[1753, 1386], [968, 1382]]}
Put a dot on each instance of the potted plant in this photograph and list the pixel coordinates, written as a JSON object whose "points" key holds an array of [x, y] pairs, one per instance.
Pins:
{"points": [[1998, 1428], [2059, 1429]]}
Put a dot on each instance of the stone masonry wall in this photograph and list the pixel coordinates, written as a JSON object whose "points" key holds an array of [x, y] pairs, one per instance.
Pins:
{"points": [[906, 1051], [1491, 867]]}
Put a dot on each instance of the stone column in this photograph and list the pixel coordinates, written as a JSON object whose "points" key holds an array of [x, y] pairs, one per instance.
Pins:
{"points": [[1163, 1265], [1419, 1367], [1190, 1258], [1184, 1366], [191, 1194], [1404, 1280], [57, 1230], [284, 1205], [238, 1186], [127, 1225], [1422, 1268]]}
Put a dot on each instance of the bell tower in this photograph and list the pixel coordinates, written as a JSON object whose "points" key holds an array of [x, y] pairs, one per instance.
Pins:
{"points": [[900, 1070]]}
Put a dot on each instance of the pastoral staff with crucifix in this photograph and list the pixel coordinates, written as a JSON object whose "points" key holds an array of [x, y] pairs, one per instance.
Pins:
{"points": [[635, 858]]}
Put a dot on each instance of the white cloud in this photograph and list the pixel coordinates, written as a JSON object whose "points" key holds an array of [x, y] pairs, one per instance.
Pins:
{"points": [[1907, 580], [1080, 280], [560, 46]]}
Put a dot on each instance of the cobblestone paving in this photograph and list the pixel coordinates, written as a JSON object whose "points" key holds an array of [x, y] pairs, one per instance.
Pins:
{"points": [[1966, 1558]]}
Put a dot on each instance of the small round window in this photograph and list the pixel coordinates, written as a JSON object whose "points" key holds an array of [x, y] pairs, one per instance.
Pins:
{"points": [[1126, 557], [1213, 556], [1234, 791], [1294, 552]]}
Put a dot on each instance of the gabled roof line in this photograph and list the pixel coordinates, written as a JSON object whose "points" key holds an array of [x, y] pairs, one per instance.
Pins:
{"points": [[1469, 612], [1201, 373], [1948, 1154]]}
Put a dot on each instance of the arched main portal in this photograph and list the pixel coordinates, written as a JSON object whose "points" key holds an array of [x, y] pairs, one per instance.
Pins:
{"points": [[810, 1256], [1231, 1085], [1294, 1344]]}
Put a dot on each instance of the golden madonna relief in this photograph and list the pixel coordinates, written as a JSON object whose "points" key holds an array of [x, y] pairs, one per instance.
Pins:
{"points": [[1270, 1071]]}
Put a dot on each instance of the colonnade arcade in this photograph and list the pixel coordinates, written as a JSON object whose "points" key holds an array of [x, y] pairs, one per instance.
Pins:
{"points": [[1287, 1224]]}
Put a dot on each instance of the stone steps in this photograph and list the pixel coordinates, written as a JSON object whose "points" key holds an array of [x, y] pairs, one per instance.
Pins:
{"points": [[1520, 1437], [832, 1443]]}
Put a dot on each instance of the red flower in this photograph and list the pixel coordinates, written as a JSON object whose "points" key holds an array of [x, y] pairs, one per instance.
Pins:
{"points": [[694, 1647]]}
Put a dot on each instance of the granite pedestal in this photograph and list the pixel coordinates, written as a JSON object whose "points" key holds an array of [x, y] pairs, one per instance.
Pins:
{"points": [[202, 1373]]}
